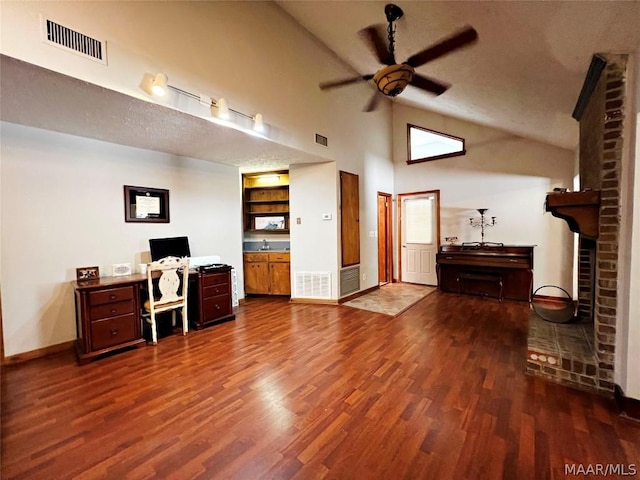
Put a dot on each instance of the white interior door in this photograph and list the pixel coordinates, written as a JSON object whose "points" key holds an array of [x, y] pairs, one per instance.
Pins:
{"points": [[419, 238]]}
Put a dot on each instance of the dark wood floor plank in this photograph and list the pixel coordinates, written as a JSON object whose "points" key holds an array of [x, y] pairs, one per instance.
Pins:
{"points": [[312, 391]]}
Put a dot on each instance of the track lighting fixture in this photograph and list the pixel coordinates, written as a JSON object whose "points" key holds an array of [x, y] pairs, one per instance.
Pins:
{"points": [[159, 84], [159, 87], [223, 109], [258, 123]]}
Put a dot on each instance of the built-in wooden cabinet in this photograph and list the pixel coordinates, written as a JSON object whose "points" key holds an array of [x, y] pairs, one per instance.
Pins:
{"points": [[267, 273], [266, 202]]}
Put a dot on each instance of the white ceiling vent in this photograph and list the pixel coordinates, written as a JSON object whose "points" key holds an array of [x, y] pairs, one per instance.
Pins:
{"points": [[75, 42]]}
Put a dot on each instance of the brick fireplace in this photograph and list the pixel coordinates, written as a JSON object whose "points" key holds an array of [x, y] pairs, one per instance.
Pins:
{"points": [[581, 353]]}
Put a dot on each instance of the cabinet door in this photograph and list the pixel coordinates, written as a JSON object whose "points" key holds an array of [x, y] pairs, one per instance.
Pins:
{"points": [[256, 277], [280, 276]]}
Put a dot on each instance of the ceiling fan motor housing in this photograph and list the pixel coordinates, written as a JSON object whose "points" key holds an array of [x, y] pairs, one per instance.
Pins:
{"points": [[392, 80]]}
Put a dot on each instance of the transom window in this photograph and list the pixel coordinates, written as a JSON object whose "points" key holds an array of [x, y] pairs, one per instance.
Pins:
{"points": [[425, 145]]}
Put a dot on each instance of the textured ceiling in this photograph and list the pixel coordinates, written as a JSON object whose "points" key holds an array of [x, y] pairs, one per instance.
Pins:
{"points": [[42, 98], [524, 74]]}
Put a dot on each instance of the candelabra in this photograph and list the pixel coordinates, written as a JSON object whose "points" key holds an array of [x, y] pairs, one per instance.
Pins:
{"points": [[482, 223]]}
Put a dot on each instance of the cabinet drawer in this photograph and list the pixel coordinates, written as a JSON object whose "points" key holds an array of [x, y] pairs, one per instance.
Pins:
{"points": [[256, 257], [111, 310], [213, 290], [279, 257], [111, 295], [214, 279], [113, 331], [216, 307]]}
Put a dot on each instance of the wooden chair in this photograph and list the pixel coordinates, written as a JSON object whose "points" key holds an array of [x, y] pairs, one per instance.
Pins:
{"points": [[172, 282]]}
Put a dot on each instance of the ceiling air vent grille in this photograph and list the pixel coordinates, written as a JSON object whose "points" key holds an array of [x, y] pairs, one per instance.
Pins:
{"points": [[76, 42]]}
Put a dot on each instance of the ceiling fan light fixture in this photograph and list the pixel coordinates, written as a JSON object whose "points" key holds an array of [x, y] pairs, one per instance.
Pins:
{"points": [[159, 84], [392, 80]]}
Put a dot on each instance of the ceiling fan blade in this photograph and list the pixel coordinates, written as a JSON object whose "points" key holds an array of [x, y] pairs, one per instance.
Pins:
{"points": [[378, 45], [373, 103], [464, 37], [345, 81], [428, 84]]}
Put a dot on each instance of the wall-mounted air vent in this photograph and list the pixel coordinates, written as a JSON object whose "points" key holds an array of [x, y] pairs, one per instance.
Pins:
{"points": [[349, 280], [322, 140], [312, 285], [75, 42]]}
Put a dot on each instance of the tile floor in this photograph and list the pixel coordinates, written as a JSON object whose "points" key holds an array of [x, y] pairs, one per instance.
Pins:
{"points": [[391, 299]]}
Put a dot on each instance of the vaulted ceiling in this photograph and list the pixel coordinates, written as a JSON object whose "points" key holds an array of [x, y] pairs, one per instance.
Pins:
{"points": [[523, 75]]}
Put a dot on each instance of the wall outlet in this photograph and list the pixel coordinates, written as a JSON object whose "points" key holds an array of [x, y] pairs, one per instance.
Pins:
{"points": [[326, 216], [364, 276]]}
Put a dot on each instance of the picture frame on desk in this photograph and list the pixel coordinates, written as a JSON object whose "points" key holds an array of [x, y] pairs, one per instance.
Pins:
{"points": [[121, 269], [146, 204], [87, 273]]}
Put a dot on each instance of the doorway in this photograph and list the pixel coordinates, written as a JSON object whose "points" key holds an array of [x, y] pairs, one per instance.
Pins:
{"points": [[385, 252], [419, 236]]}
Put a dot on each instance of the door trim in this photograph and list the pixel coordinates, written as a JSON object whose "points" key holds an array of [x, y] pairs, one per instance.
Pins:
{"points": [[385, 224], [399, 198]]}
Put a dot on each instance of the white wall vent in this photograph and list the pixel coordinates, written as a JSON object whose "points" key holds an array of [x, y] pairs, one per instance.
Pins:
{"points": [[234, 288], [75, 42], [349, 280], [312, 285], [322, 140]]}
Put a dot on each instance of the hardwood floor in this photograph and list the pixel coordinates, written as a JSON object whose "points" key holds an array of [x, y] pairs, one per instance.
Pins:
{"points": [[291, 390]]}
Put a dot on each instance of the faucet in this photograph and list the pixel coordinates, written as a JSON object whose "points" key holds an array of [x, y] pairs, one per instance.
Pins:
{"points": [[265, 245]]}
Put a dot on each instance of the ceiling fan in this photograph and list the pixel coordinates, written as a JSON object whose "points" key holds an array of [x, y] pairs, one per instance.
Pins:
{"points": [[392, 79]]}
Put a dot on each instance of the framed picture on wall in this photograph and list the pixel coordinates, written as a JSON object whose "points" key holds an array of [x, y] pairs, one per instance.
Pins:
{"points": [[146, 205]]}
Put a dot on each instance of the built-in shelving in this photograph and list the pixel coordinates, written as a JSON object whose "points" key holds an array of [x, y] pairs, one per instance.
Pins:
{"points": [[266, 202]]}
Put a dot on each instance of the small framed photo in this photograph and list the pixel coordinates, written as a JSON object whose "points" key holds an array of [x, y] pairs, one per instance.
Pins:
{"points": [[87, 273], [120, 269]]}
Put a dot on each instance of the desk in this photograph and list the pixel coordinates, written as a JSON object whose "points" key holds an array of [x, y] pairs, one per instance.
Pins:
{"points": [[461, 269], [108, 309]]}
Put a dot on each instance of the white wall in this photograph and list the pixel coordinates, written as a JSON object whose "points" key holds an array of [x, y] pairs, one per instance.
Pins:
{"points": [[507, 174], [313, 193], [628, 320], [62, 207]]}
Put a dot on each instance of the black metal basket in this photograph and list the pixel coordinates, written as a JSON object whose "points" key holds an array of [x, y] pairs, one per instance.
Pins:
{"points": [[554, 308]]}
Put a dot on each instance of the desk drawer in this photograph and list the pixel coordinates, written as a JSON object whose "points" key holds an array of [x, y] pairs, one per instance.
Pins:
{"points": [[216, 307], [214, 279], [111, 310], [113, 331], [213, 290], [111, 295]]}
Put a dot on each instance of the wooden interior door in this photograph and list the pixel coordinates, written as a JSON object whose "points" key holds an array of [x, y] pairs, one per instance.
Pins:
{"points": [[385, 254], [349, 219]]}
